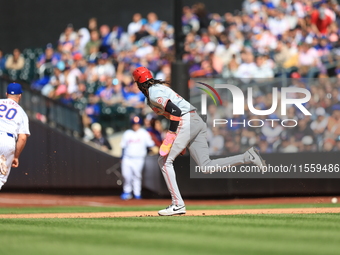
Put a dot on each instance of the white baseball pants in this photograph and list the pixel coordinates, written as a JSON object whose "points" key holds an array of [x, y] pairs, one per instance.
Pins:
{"points": [[7, 148], [132, 168]]}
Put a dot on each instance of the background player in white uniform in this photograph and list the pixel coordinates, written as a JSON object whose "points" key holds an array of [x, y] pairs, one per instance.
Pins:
{"points": [[14, 131], [135, 143], [186, 129]]}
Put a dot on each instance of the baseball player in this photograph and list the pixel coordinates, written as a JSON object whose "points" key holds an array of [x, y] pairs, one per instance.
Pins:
{"points": [[135, 142], [14, 131], [187, 129]]}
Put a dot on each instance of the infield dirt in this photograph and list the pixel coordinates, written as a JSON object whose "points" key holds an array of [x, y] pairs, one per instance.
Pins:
{"points": [[189, 213], [48, 200], [42, 200]]}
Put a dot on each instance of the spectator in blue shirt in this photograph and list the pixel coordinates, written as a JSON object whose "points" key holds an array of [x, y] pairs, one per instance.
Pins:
{"points": [[133, 97], [47, 61], [153, 24], [105, 39], [92, 109], [110, 93]]}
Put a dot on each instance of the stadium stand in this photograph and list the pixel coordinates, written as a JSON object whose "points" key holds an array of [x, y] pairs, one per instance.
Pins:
{"points": [[89, 68]]}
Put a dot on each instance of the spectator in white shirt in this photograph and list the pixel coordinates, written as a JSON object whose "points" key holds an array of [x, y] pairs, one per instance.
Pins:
{"points": [[265, 41], [300, 10], [250, 5], [144, 50], [104, 68], [15, 61], [135, 25], [263, 70], [278, 24], [68, 34], [248, 68], [72, 76], [84, 37], [308, 60]]}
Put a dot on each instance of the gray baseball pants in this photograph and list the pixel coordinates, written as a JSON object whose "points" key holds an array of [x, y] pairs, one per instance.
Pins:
{"points": [[191, 133]]}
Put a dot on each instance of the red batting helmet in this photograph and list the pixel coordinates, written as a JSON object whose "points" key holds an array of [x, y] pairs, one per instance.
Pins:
{"points": [[141, 74]]}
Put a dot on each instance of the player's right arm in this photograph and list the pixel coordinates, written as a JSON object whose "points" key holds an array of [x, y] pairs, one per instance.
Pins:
{"points": [[20, 145]]}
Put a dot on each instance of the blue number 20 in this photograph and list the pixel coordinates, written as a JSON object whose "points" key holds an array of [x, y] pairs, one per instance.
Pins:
{"points": [[10, 114]]}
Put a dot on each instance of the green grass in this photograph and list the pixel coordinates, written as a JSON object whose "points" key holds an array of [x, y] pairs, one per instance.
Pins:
{"points": [[238, 234], [71, 209]]}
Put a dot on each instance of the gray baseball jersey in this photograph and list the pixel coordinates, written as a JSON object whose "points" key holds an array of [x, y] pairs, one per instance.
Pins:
{"points": [[159, 96], [191, 132]]}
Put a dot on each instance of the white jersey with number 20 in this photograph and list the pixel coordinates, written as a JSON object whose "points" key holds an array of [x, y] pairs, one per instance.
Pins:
{"points": [[13, 119]]}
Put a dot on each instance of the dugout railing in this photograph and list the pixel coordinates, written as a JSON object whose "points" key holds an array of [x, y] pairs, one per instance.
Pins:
{"points": [[46, 110]]}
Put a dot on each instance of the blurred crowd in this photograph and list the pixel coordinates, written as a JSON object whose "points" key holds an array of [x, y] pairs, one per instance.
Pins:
{"points": [[89, 68], [274, 38], [319, 131]]}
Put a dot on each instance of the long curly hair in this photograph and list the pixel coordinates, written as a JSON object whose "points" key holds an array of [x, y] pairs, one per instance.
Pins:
{"points": [[144, 87]]}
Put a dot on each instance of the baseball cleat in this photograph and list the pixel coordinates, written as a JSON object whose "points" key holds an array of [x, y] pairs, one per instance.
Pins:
{"points": [[138, 197], [126, 196], [172, 210], [256, 159]]}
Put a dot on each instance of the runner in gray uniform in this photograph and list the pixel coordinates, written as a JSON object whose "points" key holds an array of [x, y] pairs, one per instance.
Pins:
{"points": [[187, 130]]}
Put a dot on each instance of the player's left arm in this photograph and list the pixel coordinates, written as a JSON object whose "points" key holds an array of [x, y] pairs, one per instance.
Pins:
{"points": [[20, 145], [23, 134], [175, 118]]}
